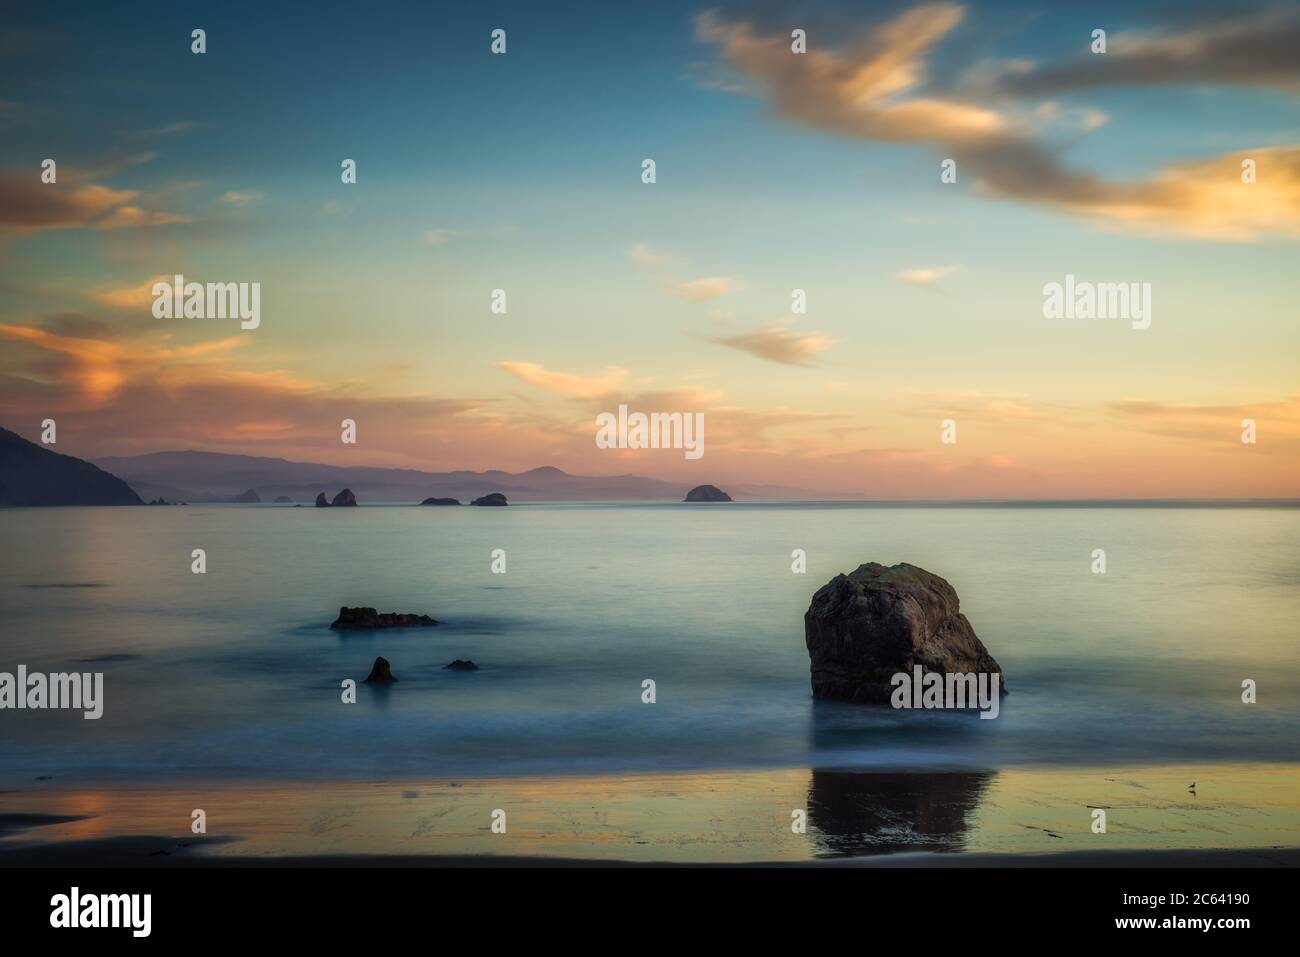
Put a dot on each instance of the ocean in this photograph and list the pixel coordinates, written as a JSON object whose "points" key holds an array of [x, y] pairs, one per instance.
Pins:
{"points": [[235, 675]]}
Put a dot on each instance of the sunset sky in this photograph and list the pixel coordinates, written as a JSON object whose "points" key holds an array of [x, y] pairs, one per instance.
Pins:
{"points": [[776, 172]]}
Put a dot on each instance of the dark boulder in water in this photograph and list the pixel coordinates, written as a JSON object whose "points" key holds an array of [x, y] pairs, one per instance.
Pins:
{"points": [[461, 664], [345, 497], [864, 627], [706, 493], [322, 501], [441, 501], [367, 619], [492, 498], [381, 673]]}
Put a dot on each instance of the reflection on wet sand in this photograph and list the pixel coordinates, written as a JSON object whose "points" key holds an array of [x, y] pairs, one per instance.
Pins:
{"points": [[685, 817], [854, 813]]}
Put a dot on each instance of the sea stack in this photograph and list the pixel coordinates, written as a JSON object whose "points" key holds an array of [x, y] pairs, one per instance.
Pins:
{"points": [[367, 619], [441, 501], [247, 498], [864, 627], [322, 501], [381, 673], [492, 498], [345, 497], [706, 493]]}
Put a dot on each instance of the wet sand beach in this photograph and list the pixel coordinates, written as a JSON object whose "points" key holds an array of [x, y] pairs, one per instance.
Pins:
{"points": [[1239, 816]]}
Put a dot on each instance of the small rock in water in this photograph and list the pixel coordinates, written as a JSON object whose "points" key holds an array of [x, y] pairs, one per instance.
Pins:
{"points": [[492, 498], [322, 501], [461, 665], [381, 673], [441, 501], [345, 497]]}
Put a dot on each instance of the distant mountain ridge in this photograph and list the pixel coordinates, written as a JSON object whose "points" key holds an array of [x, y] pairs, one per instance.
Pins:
{"points": [[216, 476], [33, 475]]}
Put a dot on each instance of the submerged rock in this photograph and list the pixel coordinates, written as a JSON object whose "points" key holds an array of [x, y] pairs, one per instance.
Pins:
{"points": [[706, 493], [345, 497], [492, 498], [381, 673], [366, 619], [441, 501], [864, 627], [461, 664]]}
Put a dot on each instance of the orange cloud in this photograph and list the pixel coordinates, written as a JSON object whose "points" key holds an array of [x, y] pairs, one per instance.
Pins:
{"points": [[28, 205], [565, 383], [870, 91]]}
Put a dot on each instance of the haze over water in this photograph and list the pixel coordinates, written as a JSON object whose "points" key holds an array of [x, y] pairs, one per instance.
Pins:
{"points": [[235, 674]]}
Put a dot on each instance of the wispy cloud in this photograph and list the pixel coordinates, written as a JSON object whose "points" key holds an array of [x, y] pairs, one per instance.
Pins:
{"points": [[777, 343], [643, 255], [1239, 48], [928, 277], [876, 89], [241, 197], [706, 288], [28, 205], [439, 237], [606, 383]]}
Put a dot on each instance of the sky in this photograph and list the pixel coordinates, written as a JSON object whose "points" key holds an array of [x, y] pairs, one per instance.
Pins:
{"points": [[775, 171]]}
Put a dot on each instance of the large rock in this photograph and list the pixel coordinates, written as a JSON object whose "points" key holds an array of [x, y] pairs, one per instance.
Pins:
{"points": [[706, 493], [367, 619], [492, 498], [345, 497], [864, 627], [441, 501], [322, 501]]}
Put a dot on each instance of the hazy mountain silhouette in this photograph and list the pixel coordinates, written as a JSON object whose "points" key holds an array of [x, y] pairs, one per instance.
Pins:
{"points": [[216, 476], [33, 475]]}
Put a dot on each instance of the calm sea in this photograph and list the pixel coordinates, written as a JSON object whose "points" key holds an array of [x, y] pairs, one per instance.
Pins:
{"points": [[236, 674]]}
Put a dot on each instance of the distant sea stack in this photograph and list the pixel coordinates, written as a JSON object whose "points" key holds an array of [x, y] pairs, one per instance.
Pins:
{"points": [[492, 498], [283, 500], [864, 627], [367, 619], [247, 498], [706, 493], [344, 497], [32, 475], [441, 501]]}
